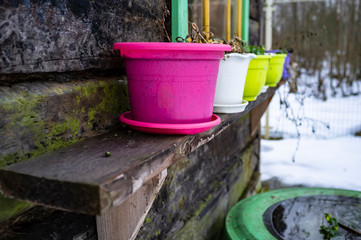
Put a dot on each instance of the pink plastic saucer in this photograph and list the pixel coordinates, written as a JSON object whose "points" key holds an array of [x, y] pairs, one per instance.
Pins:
{"points": [[167, 128]]}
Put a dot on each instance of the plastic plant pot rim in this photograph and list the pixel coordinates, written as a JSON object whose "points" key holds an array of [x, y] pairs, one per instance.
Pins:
{"points": [[127, 120], [279, 55], [263, 57], [250, 98], [264, 89], [244, 103], [231, 108], [172, 46], [258, 59], [245, 219], [241, 55], [271, 84]]}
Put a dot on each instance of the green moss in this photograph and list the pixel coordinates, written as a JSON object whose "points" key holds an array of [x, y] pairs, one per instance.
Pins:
{"points": [[241, 184], [91, 117], [78, 100], [8, 159], [110, 103], [216, 185], [181, 203], [10, 207], [213, 219], [202, 206], [195, 226], [147, 220], [177, 167], [55, 138], [24, 113], [202, 225], [157, 233]]}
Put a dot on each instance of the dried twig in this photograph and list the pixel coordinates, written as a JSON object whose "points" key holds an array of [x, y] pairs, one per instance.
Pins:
{"points": [[166, 13], [196, 36]]}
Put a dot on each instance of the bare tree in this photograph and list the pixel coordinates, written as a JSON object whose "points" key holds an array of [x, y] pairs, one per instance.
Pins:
{"points": [[326, 39]]}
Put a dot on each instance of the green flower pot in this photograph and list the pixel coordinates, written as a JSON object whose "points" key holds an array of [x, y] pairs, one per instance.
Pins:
{"points": [[256, 77], [275, 69]]}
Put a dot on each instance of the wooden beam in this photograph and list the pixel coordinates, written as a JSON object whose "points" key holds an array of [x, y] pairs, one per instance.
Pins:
{"points": [[123, 222], [257, 113]]}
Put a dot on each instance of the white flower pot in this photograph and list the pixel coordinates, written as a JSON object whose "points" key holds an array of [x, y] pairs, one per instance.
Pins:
{"points": [[230, 83]]}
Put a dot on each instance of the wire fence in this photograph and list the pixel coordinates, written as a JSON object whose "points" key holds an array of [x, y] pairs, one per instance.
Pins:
{"points": [[303, 113]]}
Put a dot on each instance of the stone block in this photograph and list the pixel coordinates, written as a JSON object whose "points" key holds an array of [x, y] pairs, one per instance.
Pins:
{"points": [[60, 36]]}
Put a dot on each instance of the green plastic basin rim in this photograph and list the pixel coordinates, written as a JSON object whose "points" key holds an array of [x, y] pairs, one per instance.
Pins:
{"points": [[245, 219]]}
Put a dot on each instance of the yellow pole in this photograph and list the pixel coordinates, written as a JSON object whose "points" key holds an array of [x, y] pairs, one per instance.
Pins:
{"points": [[206, 17], [239, 18], [228, 16]]}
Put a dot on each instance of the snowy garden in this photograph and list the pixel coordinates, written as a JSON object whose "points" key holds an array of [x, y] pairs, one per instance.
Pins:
{"points": [[317, 144]]}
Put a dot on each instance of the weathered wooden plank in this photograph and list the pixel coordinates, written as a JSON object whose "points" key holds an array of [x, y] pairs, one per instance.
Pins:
{"points": [[80, 178], [123, 222], [257, 113], [85, 176]]}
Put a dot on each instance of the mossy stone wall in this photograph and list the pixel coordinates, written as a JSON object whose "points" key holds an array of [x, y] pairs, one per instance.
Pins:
{"points": [[74, 35], [60, 79], [42, 117], [202, 187]]}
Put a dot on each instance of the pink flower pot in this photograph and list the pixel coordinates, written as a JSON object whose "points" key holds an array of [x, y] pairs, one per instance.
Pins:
{"points": [[171, 82]]}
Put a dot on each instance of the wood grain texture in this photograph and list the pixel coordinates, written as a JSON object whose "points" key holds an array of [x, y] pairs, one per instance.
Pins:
{"points": [[123, 222], [80, 178]]}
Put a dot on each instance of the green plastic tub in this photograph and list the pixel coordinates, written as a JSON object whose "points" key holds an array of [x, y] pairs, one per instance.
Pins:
{"points": [[275, 69], [256, 77], [293, 213]]}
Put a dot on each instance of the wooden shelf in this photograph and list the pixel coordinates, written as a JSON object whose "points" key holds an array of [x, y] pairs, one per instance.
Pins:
{"points": [[80, 178]]}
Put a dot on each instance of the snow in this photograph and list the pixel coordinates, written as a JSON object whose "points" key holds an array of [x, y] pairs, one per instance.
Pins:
{"points": [[325, 156], [331, 163]]}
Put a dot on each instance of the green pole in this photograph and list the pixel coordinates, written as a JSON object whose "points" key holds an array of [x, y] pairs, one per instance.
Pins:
{"points": [[245, 20], [179, 19]]}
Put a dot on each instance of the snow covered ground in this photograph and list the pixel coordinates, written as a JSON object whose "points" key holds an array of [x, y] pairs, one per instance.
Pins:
{"points": [[328, 153]]}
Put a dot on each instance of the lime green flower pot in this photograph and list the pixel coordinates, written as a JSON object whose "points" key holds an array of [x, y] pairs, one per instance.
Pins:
{"points": [[275, 69], [256, 77]]}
